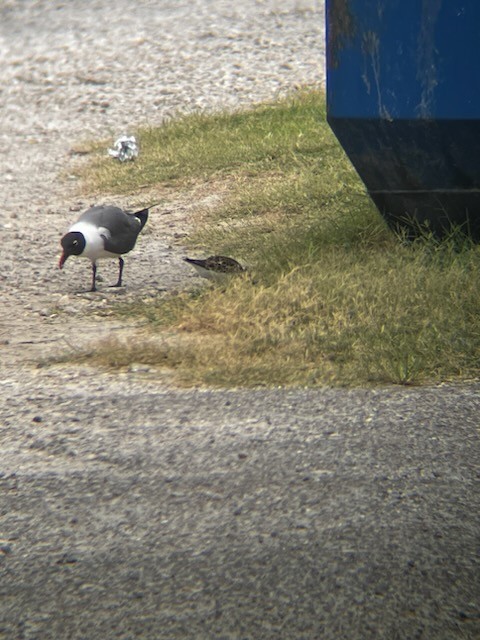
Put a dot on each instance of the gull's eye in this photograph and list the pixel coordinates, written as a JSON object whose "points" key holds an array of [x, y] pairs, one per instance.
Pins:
{"points": [[75, 242]]}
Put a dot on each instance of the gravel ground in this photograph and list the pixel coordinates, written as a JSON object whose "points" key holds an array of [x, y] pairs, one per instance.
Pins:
{"points": [[130, 509]]}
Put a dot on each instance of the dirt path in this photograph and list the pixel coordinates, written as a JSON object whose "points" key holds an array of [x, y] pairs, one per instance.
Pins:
{"points": [[67, 77]]}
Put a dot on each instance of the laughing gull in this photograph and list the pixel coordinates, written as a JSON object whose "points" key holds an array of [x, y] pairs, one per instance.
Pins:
{"points": [[103, 232], [216, 267]]}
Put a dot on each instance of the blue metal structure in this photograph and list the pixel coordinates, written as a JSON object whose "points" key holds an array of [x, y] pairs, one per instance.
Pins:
{"points": [[403, 99]]}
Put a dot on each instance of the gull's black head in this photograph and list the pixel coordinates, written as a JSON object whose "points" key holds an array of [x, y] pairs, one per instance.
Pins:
{"points": [[73, 244]]}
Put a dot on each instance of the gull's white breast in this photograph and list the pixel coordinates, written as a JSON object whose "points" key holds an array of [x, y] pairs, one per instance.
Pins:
{"points": [[94, 242]]}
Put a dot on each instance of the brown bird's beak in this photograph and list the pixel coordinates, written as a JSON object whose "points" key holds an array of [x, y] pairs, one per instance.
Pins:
{"points": [[63, 257]]}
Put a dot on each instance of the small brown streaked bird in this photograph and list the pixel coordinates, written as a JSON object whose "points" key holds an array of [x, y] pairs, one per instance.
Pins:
{"points": [[216, 268]]}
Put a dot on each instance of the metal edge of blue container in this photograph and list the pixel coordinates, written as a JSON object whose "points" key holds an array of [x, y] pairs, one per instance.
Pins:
{"points": [[403, 99]]}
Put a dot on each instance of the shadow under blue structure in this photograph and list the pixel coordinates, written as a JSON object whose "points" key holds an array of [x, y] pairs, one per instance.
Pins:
{"points": [[403, 99]]}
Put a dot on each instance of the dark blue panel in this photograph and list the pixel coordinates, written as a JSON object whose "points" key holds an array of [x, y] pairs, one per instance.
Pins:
{"points": [[403, 98], [412, 154], [403, 59]]}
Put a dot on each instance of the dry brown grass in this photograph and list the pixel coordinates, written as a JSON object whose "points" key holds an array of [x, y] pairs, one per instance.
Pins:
{"points": [[333, 297]]}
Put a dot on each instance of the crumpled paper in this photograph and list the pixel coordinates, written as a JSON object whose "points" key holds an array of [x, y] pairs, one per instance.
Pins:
{"points": [[125, 148]]}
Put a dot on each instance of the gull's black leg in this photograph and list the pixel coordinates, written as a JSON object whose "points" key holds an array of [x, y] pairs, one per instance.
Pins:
{"points": [[120, 271], [94, 274]]}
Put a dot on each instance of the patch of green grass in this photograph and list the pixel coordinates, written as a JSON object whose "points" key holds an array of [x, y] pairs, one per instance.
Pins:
{"points": [[200, 146], [332, 297]]}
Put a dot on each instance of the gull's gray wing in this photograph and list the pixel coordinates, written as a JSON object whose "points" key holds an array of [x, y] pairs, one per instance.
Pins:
{"points": [[123, 227]]}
